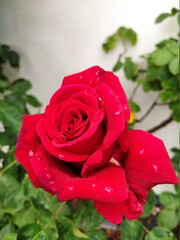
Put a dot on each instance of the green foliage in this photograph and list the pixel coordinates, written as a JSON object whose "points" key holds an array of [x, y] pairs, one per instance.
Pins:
{"points": [[132, 230], [160, 233], [163, 16], [150, 204], [122, 34]]}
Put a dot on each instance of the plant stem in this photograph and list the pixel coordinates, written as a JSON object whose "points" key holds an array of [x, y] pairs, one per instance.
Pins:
{"points": [[54, 215], [134, 92], [149, 110], [7, 167], [123, 52], [161, 125]]}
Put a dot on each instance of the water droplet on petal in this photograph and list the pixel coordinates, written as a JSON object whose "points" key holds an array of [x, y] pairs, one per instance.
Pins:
{"points": [[48, 176], [155, 168], [61, 156], [71, 188], [31, 153], [80, 77], [141, 151], [117, 113], [93, 185], [107, 189]]}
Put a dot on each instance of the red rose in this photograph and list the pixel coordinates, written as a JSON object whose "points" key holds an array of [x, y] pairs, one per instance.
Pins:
{"points": [[80, 147]]}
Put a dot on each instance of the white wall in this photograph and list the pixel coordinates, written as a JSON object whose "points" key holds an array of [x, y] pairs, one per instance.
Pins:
{"points": [[59, 37]]}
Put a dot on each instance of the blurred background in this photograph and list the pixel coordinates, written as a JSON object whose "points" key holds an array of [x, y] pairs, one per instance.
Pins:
{"points": [[58, 38]]}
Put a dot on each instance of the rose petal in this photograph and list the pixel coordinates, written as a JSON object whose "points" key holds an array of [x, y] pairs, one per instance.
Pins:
{"points": [[61, 179], [114, 114], [98, 159], [90, 76], [147, 163], [113, 82], [131, 207], [67, 91], [27, 144], [93, 77], [57, 152], [113, 212]]}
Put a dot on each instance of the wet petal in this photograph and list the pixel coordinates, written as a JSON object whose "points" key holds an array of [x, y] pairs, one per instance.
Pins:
{"points": [[111, 211], [98, 159], [61, 179], [60, 153], [113, 82], [147, 163], [67, 91], [90, 76], [130, 208], [114, 115], [27, 145]]}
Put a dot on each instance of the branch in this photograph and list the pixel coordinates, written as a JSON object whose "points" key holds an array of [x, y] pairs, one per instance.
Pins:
{"points": [[149, 110], [134, 92], [161, 125], [123, 52]]}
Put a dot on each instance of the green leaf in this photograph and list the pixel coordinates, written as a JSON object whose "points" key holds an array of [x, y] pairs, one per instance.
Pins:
{"points": [[162, 17], [97, 235], [31, 231], [176, 158], [160, 233], [24, 216], [69, 231], [11, 195], [21, 86], [161, 57], [173, 47], [168, 218], [17, 100], [14, 59], [170, 200], [6, 230], [117, 66], [132, 230], [174, 106], [134, 106], [7, 138], [131, 69], [4, 84], [127, 34], [87, 216], [11, 116], [150, 203], [174, 66], [10, 236], [32, 101], [164, 96], [110, 42]]}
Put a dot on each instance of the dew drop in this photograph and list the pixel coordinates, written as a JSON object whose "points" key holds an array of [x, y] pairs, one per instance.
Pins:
{"points": [[93, 185], [80, 77], [48, 176], [107, 189], [51, 182], [155, 168], [61, 156], [71, 188], [97, 73], [31, 153], [117, 113], [141, 151]]}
